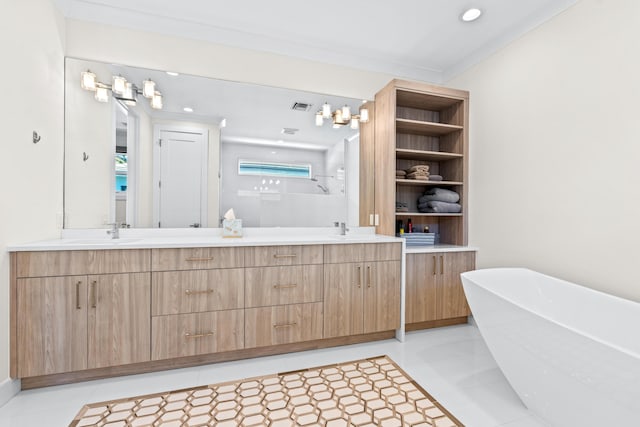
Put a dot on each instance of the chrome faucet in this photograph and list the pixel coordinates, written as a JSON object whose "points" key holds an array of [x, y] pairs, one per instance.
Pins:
{"points": [[343, 229], [115, 230]]}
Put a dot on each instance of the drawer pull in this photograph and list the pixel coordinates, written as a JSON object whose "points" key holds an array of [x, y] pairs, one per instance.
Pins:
{"points": [[359, 277], [78, 295], [368, 276], [94, 298], [190, 292], [292, 285], [204, 335], [285, 255], [441, 264], [195, 259], [435, 265], [284, 325]]}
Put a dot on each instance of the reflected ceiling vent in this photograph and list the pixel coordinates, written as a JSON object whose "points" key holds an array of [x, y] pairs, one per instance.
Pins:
{"points": [[289, 131], [301, 106]]}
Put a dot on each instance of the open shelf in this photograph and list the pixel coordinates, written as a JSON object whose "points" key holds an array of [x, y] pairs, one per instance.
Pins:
{"points": [[417, 127], [426, 183], [424, 101], [432, 156], [420, 214]]}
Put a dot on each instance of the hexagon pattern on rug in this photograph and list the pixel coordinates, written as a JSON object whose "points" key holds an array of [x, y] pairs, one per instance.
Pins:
{"points": [[370, 392]]}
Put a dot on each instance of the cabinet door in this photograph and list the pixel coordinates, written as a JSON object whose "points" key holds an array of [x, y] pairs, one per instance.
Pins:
{"points": [[52, 325], [421, 290], [343, 299], [381, 296], [119, 326], [283, 324], [451, 299]]}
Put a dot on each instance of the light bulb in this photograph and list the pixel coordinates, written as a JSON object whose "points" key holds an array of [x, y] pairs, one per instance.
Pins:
{"points": [[346, 113], [88, 80], [129, 95], [326, 111], [148, 88], [319, 119], [118, 85], [101, 94], [156, 101], [337, 119], [354, 123], [364, 115]]}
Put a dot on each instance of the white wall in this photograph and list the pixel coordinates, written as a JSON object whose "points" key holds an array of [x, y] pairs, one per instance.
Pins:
{"points": [[32, 46], [88, 40], [555, 149]]}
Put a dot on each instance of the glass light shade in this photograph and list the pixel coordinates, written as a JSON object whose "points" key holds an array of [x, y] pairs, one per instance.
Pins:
{"points": [[364, 115], [102, 95], [354, 123], [471, 15], [88, 80], [156, 101], [319, 119], [148, 88], [326, 111], [118, 85], [346, 113]]}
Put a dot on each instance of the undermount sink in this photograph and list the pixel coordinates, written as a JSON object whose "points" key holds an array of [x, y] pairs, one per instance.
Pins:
{"points": [[100, 241]]}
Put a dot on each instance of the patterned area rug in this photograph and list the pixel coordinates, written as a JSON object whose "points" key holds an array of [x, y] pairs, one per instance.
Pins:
{"points": [[369, 392]]}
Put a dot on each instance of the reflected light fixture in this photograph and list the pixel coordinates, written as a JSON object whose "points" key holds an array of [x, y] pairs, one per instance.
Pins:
{"points": [[342, 116], [121, 89], [471, 14]]}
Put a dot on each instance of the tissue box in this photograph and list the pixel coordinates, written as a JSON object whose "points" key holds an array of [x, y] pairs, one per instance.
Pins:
{"points": [[231, 228]]}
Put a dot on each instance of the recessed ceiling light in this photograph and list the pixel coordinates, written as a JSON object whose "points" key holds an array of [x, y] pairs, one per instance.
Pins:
{"points": [[188, 109], [471, 14], [172, 73]]}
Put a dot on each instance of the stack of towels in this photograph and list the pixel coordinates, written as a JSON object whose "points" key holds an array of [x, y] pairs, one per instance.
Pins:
{"points": [[439, 200], [400, 174], [402, 207], [419, 172]]}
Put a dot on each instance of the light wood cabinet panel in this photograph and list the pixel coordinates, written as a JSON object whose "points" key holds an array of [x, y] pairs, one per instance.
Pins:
{"points": [[451, 299], [197, 333], [381, 296], [264, 256], [343, 300], [196, 258], [283, 324], [52, 325], [265, 286], [361, 252], [119, 319], [421, 288], [174, 292], [67, 263]]}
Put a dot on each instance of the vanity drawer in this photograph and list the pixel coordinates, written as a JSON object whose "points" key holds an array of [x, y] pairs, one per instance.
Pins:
{"points": [[361, 252], [264, 256], [196, 258], [283, 324], [266, 286], [174, 292], [198, 333], [69, 263]]}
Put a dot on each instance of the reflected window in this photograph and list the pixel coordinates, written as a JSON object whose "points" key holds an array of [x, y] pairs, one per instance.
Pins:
{"points": [[247, 167]]}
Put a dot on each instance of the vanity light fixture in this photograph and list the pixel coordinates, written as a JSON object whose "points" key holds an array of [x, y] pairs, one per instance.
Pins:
{"points": [[121, 89], [342, 116], [471, 14]]}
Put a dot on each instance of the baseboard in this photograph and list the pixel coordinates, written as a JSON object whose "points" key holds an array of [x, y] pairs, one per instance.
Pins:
{"points": [[8, 389]]}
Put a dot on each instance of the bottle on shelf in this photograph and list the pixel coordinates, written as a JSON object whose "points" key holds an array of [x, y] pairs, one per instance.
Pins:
{"points": [[409, 226]]}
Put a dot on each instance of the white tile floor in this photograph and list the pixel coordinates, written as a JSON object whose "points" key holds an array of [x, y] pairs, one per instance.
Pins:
{"points": [[453, 364]]}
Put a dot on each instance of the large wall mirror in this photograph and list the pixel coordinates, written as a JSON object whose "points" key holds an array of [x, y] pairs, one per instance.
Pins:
{"points": [[201, 147]]}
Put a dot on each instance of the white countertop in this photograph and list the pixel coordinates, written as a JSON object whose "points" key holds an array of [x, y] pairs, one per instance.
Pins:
{"points": [[439, 248], [173, 238]]}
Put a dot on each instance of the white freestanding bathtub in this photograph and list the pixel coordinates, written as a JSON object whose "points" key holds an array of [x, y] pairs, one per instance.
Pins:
{"points": [[572, 354]]}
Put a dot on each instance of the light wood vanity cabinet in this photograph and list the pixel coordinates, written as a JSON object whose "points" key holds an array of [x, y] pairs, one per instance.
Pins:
{"points": [[66, 323], [361, 297], [97, 313], [434, 291]]}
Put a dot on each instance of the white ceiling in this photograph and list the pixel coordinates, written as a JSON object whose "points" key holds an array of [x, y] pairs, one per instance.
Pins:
{"points": [[417, 39]]}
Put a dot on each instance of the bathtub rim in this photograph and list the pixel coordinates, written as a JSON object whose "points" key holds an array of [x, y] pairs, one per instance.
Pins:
{"points": [[469, 274]]}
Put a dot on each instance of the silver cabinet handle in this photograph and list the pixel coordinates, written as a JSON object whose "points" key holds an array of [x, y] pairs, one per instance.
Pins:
{"points": [[292, 285], [203, 335], [190, 292], [196, 259], [359, 277], [441, 265], [78, 295], [94, 291], [284, 325], [435, 266], [368, 276], [285, 255]]}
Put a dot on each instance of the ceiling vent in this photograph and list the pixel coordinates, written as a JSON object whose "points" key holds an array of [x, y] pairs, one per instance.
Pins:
{"points": [[289, 131], [301, 106]]}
